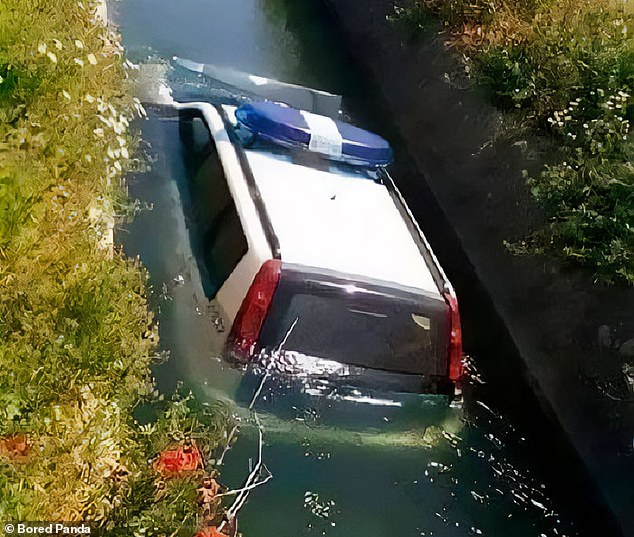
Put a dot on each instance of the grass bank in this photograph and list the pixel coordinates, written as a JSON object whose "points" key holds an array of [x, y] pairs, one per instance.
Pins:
{"points": [[563, 68], [76, 336]]}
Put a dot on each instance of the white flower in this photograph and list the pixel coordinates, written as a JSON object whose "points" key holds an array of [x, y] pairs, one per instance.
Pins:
{"points": [[104, 120], [41, 48], [128, 64], [98, 132], [51, 56], [79, 61], [89, 98], [58, 44], [139, 109], [79, 44], [91, 59], [66, 95]]}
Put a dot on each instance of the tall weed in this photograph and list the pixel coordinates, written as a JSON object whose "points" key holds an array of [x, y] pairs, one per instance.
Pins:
{"points": [[76, 335]]}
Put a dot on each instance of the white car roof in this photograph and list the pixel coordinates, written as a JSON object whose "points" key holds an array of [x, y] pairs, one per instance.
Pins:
{"points": [[338, 221], [330, 218]]}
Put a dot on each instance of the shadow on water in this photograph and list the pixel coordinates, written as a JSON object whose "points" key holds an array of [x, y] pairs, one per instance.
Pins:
{"points": [[410, 470], [317, 40]]}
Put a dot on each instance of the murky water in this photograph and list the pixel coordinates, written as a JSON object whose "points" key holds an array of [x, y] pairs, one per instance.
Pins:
{"points": [[340, 468]]}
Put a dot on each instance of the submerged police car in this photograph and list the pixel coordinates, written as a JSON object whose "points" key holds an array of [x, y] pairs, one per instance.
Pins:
{"points": [[312, 255]]}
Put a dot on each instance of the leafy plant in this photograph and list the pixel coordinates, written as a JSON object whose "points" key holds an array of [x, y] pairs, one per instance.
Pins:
{"points": [[565, 67], [76, 335]]}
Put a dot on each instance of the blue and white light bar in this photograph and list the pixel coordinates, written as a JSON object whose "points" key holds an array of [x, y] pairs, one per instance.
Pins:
{"points": [[336, 140]]}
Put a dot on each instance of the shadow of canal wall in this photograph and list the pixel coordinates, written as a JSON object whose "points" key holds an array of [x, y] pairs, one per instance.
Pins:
{"points": [[565, 327]]}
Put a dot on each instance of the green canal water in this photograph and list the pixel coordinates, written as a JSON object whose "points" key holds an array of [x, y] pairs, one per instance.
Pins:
{"points": [[419, 468]]}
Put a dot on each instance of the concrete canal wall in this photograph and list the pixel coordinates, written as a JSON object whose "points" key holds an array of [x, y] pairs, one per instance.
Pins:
{"points": [[567, 329]]}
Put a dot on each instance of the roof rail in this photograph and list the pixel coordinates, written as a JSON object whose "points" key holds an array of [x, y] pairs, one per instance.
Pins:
{"points": [[437, 272]]}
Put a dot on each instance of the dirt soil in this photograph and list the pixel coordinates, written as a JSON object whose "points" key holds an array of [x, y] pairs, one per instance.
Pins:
{"points": [[567, 329]]}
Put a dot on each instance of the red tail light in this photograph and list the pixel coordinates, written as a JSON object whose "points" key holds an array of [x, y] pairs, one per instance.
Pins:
{"points": [[245, 331], [455, 338]]}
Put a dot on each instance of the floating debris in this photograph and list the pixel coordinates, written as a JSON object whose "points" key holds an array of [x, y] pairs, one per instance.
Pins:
{"points": [[321, 509]]}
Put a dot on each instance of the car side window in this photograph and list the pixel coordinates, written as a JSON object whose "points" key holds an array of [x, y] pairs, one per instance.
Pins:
{"points": [[223, 239], [225, 245]]}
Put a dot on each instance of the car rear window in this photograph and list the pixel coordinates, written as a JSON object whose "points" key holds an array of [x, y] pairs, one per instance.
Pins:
{"points": [[363, 324]]}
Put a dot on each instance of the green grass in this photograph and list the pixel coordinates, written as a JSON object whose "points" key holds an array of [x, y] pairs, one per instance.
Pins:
{"points": [[76, 335], [565, 68]]}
